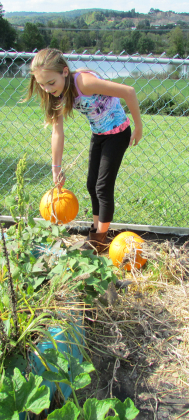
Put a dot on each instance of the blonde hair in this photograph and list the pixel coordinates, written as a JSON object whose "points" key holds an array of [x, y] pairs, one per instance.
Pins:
{"points": [[52, 59]]}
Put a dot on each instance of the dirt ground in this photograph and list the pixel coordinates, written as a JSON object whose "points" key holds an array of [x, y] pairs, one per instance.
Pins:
{"points": [[140, 344]]}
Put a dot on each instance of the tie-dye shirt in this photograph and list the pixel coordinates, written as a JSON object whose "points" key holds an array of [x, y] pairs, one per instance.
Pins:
{"points": [[105, 113]]}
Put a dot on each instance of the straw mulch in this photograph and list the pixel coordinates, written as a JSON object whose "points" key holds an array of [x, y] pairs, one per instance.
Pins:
{"points": [[139, 342]]}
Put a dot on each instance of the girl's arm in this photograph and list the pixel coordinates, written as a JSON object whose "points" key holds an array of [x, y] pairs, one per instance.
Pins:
{"points": [[57, 148], [89, 85]]}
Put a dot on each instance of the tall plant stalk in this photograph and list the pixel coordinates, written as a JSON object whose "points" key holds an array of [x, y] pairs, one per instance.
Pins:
{"points": [[11, 290], [21, 168]]}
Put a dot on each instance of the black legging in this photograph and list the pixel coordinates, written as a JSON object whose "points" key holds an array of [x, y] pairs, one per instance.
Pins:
{"points": [[105, 156]]}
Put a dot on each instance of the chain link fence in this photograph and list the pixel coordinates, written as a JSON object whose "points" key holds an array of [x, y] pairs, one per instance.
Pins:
{"points": [[153, 181]]}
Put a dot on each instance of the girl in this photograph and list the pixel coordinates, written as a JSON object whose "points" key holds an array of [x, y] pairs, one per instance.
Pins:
{"points": [[62, 91]]}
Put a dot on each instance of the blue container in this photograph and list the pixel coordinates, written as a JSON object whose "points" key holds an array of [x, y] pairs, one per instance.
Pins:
{"points": [[38, 367], [45, 248]]}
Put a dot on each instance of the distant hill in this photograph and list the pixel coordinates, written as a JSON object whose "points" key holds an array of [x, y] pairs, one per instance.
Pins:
{"points": [[155, 17], [20, 18], [23, 17]]}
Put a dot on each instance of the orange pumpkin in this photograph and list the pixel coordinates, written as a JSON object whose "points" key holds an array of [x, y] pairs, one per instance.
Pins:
{"points": [[59, 207], [127, 246]]}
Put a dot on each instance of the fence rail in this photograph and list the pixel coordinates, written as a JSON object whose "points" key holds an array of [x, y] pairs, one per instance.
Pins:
{"points": [[153, 182]]}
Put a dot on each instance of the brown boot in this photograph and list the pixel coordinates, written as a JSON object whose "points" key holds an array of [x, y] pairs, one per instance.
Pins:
{"points": [[83, 243], [96, 241], [92, 229]]}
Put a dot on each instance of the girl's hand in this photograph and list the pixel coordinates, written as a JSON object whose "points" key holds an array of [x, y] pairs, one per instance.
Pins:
{"points": [[136, 136], [58, 177]]}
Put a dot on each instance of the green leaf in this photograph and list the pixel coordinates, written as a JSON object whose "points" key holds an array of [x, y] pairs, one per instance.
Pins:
{"points": [[68, 412], [72, 262], [82, 380], [87, 367], [28, 395], [39, 401], [30, 290], [113, 418], [55, 230], [18, 395], [11, 231], [58, 268], [86, 268], [32, 259], [78, 377], [105, 261], [43, 223], [36, 281], [15, 416], [100, 289], [38, 267], [63, 230], [16, 273], [76, 367], [6, 301], [31, 221], [27, 267], [89, 300], [56, 358], [125, 410], [25, 236], [7, 326], [10, 201], [15, 361], [60, 376], [7, 404], [14, 187], [106, 274], [13, 343], [92, 281], [96, 410]]}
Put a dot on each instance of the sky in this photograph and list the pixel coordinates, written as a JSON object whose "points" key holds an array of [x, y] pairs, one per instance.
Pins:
{"points": [[62, 5]]}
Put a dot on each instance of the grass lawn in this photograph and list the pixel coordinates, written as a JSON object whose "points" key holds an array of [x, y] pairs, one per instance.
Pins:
{"points": [[152, 185]]}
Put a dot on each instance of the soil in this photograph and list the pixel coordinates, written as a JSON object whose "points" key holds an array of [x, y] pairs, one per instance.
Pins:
{"points": [[122, 379], [130, 380]]}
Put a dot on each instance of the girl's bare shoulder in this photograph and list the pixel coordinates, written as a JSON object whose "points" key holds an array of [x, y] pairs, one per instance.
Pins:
{"points": [[85, 78], [89, 83]]}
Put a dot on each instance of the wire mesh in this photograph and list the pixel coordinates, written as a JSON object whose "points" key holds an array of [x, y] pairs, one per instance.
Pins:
{"points": [[153, 181]]}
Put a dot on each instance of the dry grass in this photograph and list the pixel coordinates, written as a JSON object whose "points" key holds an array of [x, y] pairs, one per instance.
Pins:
{"points": [[147, 329]]}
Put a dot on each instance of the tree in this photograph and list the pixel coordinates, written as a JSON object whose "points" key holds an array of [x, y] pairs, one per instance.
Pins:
{"points": [[7, 33], [81, 40], [32, 37], [65, 43], [176, 42], [127, 44], [1, 11], [45, 34], [54, 43], [99, 16], [143, 24], [93, 37], [80, 23], [145, 44]]}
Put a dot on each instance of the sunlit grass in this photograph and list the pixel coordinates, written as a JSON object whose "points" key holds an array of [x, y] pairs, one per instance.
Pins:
{"points": [[152, 185]]}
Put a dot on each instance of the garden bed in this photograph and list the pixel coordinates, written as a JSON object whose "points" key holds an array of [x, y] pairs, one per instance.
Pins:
{"points": [[138, 338], [139, 345]]}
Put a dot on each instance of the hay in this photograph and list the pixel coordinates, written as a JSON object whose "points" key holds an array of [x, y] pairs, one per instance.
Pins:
{"points": [[147, 328]]}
